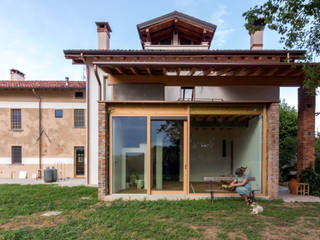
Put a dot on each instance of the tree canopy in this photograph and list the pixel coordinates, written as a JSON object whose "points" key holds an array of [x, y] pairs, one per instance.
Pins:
{"points": [[298, 23]]}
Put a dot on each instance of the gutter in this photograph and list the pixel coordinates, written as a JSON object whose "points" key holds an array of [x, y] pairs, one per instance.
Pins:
{"points": [[40, 133]]}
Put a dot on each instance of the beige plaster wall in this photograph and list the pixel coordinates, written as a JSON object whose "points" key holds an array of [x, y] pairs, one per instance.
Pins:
{"points": [[59, 136]]}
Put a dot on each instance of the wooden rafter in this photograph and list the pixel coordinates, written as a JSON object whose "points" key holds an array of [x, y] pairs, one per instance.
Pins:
{"points": [[192, 71], [119, 70], [164, 71], [287, 71], [272, 72], [149, 71], [133, 70]]}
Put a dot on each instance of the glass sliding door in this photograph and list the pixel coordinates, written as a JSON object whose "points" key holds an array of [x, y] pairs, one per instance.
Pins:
{"points": [[167, 154], [129, 154]]}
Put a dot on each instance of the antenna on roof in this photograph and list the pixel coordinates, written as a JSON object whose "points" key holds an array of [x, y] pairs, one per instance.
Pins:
{"points": [[67, 81]]}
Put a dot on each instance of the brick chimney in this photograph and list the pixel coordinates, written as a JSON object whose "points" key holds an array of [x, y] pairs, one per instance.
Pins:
{"points": [[256, 38], [16, 75], [104, 31]]}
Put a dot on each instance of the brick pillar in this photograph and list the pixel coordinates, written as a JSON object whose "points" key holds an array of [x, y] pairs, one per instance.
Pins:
{"points": [[273, 113], [102, 121], [306, 130]]}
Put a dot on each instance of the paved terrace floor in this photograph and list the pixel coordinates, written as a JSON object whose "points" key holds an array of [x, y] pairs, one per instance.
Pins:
{"points": [[284, 193]]}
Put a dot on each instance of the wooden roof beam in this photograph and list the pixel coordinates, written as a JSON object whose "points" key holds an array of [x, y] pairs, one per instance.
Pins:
{"points": [[287, 71], [133, 70], [192, 71], [119, 70], [272, 72], [149, 71]]}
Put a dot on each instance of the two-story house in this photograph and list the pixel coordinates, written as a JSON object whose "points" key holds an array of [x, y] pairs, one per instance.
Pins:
{"points": [[43, 124], [163, 118]]}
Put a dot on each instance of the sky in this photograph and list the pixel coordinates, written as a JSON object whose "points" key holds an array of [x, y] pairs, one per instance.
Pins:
{"points": [[34, 33]]}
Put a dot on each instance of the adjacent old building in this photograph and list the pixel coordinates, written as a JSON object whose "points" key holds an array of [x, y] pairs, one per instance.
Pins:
{"points": [[163, 118], [43, 124]]}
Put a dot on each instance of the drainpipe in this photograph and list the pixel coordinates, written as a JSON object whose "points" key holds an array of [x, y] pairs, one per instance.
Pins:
{"points": [[40, 129], [98, 79]]}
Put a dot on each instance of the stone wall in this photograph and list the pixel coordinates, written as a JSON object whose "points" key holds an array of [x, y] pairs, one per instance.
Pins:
{"points": [[102, 160]]}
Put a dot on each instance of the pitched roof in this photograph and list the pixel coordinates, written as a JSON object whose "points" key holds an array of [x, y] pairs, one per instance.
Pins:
{"points": [[176, 14], [43, 84]]}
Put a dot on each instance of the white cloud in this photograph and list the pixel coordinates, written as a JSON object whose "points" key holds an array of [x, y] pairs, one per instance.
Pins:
{"points": [[222, 32]]}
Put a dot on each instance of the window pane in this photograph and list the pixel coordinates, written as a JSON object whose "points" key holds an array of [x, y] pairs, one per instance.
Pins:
{"points": [[58, 113], [15, 118], [16, 155], [79, 118], [129, 154], [219, 145], [167, 155], [78, 95]]}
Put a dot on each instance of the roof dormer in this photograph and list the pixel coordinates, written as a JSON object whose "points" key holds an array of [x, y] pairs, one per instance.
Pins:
{"points": [[176, 31]]}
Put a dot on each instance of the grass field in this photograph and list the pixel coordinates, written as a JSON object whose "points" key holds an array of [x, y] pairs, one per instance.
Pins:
{"points": [[84, 217]]}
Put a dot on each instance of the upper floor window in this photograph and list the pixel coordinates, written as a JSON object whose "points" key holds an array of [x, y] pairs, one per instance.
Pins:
{"points": [[187, 93], [79, 118], [15, 118], [58, 113], [78, 95], [16, 155]]}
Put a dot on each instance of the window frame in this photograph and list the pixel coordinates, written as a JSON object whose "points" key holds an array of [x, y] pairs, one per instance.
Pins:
{"points": [[55, 113], [16, 125], [77, 122], [13, 157], [75, 95], [183, 93]]}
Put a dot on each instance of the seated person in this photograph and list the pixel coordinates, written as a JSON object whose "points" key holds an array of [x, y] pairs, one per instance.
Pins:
{"points": [[242, 184]]}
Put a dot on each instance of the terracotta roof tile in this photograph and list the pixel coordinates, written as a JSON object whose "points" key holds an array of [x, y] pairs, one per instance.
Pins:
{"points": [[43, 84]]}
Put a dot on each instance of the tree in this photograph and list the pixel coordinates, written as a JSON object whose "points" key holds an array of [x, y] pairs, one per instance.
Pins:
{"points": [[287, 140], [298, 23]]}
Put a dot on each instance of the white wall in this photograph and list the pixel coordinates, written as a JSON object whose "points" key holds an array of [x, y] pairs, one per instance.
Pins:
{"points": [[92, 107], [229, 93]]}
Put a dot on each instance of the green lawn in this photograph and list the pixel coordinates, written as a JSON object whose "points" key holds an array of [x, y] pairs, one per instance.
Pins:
{"points": [[84, 217]]}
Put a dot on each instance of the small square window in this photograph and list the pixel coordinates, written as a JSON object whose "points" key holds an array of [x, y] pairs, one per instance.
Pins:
{"points": [[59, 113], [78, 95], [187, 93]]}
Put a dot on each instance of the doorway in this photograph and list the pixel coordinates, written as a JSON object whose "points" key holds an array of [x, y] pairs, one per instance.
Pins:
{"points": [[79, 161]]}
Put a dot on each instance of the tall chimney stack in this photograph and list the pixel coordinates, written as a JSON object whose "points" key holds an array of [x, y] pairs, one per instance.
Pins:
{"points": [[16, 75], [256, 38], [104, 31]]}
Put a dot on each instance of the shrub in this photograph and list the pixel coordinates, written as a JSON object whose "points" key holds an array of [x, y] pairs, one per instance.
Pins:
{"points": [[308, 175]]}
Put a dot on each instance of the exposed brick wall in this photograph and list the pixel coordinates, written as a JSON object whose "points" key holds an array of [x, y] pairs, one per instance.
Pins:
{"points": [[102, 151], [273, 150], [306, 130]]}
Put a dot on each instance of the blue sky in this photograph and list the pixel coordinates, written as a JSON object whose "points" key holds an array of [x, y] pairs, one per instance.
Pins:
{"points": [[34, 33]]}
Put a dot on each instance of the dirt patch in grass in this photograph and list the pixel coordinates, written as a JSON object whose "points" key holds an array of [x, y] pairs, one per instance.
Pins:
{"points": [[211, 232], [304, 228], [33, 221]]}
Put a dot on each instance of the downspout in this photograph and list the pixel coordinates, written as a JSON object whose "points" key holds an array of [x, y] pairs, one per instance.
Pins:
{"points": [[40, 138], [98, 79]]}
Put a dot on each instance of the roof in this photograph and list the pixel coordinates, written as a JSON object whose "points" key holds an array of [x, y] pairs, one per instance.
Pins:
{"points": [[181, 52], [43, 84], [176, 14]]}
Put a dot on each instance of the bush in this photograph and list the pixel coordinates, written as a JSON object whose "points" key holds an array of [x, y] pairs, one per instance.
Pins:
{"points": [[308, 175]]}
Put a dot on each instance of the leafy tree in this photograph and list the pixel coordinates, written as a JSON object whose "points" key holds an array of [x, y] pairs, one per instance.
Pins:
{"points": [[287, 140], [298, 23]]}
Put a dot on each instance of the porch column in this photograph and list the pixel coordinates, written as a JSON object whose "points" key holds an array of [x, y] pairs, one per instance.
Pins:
{"points": [[273, 113], [306, 130], [102, 153]]}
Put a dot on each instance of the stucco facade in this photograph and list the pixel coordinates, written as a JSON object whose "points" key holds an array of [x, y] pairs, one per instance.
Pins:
{"points": [[59, 136]]}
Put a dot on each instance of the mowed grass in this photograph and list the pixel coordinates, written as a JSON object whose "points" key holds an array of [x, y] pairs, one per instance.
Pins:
{"points": [[84, 217]]}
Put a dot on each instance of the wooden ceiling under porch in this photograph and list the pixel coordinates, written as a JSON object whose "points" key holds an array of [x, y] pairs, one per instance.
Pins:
{"points": [[205, 74]]}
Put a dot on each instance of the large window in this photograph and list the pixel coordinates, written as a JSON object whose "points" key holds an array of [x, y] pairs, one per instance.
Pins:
{"points": [[167, 154], [16, 155], [79, 118], [16, 118], [129, 155]]}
